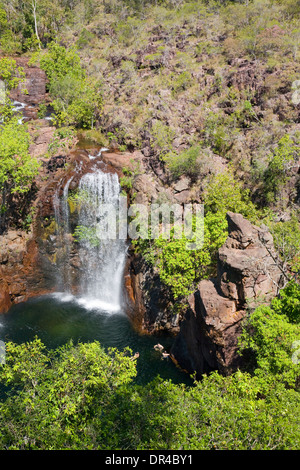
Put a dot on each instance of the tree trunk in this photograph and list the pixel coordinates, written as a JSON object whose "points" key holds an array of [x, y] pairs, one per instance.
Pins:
{"points": [[35, 22]]}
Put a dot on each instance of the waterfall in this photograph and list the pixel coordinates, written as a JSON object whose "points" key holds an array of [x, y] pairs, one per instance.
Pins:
{"points": [[63, 233], [101, 259]]}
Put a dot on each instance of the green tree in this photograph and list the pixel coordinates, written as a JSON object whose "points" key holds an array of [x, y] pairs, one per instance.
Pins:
{"points": [[30, 23], [17, 167], [58, 62], [10, 73], [77, 99], [185, 163], [17, 171], [226, 193], [81, 397], [286, 235], [270, 333], [280, 163], [181, 268], [55, 396], [289, 302]]}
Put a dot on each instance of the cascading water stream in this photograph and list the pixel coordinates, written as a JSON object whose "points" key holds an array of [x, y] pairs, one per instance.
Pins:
{"points": [[101, 257], [89, 283]]}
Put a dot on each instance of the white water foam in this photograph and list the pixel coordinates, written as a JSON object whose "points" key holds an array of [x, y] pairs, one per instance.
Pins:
{"points": [[102, 276], [96, 304], [101, 269], [86, 302], [103, 149], [18, 106]]}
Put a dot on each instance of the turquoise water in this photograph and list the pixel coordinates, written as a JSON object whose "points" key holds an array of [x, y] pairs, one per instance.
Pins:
{"points": [[58, 319]]}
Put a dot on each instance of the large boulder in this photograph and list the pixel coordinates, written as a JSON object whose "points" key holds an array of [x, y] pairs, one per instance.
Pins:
{"points": [[247, 271], [247, 275]]}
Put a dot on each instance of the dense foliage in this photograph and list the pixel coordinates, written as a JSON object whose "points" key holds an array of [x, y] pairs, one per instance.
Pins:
{"points": [[17, 168], [82, 397], [76, 99], [180, 267]]}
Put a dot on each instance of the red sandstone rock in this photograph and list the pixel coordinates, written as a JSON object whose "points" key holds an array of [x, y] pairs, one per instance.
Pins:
{"points": [[34, 84], [246, 271], [5, 302], [247, 275]]}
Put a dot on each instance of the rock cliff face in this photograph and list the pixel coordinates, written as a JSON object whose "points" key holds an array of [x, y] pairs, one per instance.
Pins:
{"points": [[35, 86], [247, 274], [21, 272], [151, 299]]}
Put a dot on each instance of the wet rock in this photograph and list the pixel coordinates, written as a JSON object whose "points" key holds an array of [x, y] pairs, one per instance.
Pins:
{"points": [[56, 162], [151, 299], [20, 270], [5, 301], [119, 160]]}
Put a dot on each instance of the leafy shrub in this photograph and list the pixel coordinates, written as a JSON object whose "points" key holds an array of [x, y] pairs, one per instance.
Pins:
{"points": [[286, 235], [181, 82], [82, 397], [86, 235], [288, 302], [186, 163], [280, 163], [17, 173], [84, 39], [77, 100], [181, 268], [58, 62], [10, 73], [17, 168], [162, 137], [225, 193], [270, 333]]}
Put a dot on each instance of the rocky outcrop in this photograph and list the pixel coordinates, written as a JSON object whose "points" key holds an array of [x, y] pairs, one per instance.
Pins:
{"points": [[152, 302], [21, 274], [32, 91], [247, 272], [247, 275]]}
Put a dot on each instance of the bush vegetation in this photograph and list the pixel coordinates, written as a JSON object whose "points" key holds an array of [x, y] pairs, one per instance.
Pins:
{"points": [[83, 397]]}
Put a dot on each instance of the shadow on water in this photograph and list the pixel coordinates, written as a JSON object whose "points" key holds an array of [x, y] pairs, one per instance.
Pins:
{"points": [[57, 319]]}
